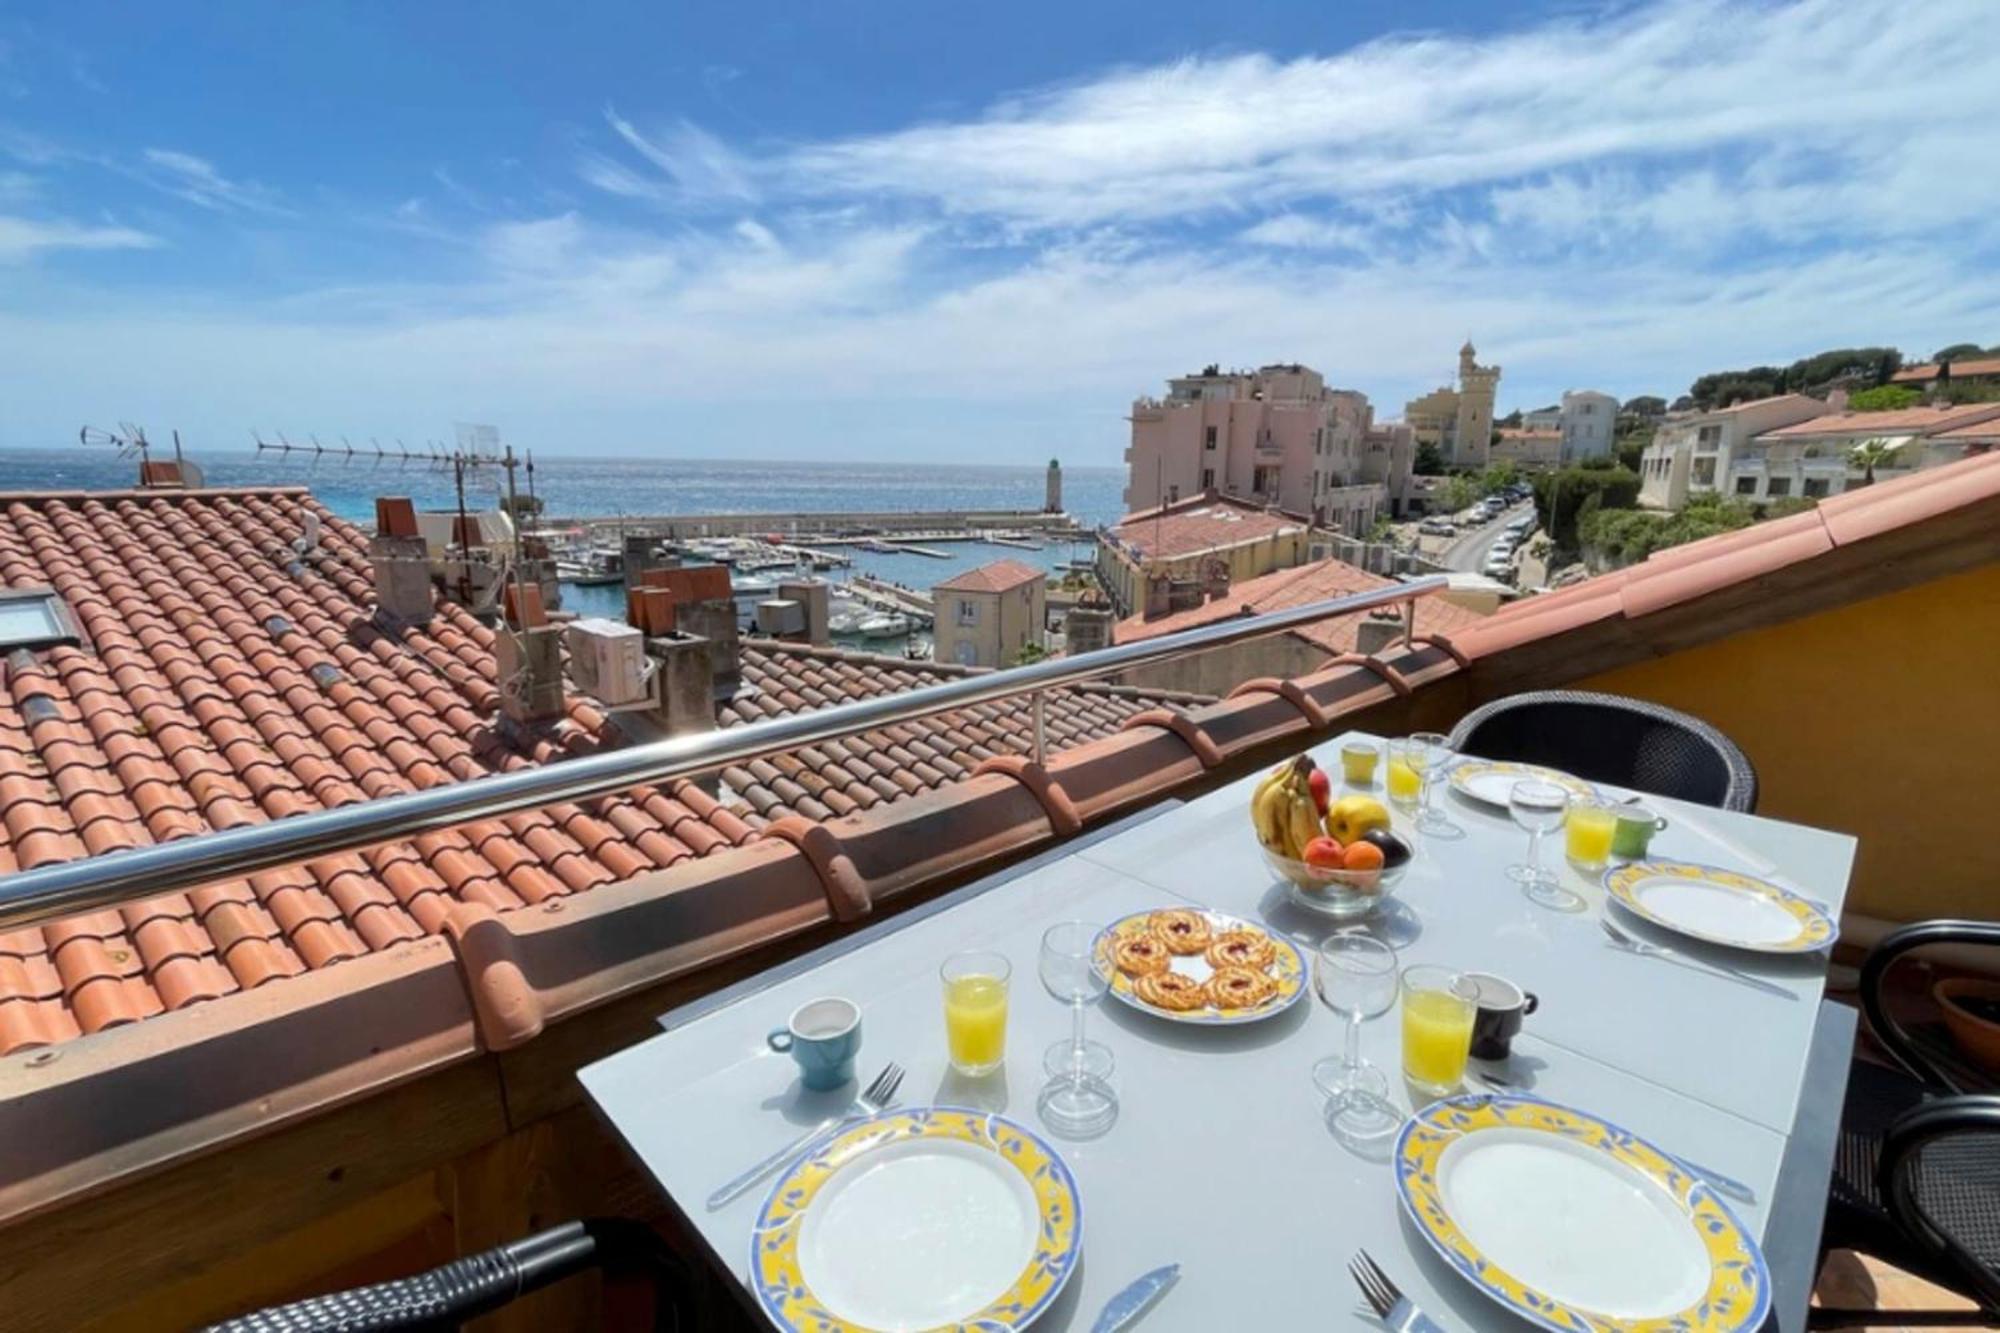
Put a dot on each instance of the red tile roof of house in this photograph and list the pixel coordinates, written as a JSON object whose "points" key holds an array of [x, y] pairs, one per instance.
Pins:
{"points": [[996, 576], [1976, 432], [1204, 523], [1908, 420], [1288, 588], [224, 681], [1959, 370]]}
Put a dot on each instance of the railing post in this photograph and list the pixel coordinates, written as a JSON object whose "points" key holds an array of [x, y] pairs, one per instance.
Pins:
{"points": [[1038, 705], [1409, 624]]}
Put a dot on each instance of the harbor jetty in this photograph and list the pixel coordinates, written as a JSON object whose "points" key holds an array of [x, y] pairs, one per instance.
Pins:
{"points": [[837, 528]]}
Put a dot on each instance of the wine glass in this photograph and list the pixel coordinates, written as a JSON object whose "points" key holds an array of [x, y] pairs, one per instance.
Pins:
{"points": [[1356, 978], [1431, 752], [1540, 807], [1077, 1101]]}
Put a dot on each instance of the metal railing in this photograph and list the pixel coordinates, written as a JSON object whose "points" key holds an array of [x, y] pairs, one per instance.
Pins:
{"points": [[44, 894]]}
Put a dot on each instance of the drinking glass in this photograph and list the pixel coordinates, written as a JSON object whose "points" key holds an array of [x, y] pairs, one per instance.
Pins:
{"points": [[1432, 750], [1356, 978], [1357, 763], [1438, 1008], [1077, 1102], [1591, 827], [975, 1010], [1540, 807], [1405, 779]]}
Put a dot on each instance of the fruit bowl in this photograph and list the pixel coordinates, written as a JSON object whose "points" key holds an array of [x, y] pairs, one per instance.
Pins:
{"points": [[1342, 893]]}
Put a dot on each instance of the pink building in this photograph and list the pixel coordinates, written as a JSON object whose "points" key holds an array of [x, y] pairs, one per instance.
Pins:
{"points": [[1276, 436]]}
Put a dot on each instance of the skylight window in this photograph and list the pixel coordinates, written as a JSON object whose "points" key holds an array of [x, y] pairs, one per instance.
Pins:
{"points": [[33, 618]]}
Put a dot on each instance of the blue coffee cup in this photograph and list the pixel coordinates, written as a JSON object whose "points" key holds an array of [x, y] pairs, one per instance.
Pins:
{"points": [[823, 1036]]}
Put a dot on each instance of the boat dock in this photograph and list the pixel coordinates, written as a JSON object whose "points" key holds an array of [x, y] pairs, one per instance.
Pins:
{"points": [[890, 597]]}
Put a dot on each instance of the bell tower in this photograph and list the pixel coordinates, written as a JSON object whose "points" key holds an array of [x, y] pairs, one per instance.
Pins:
{"points": [[1478, 387]]}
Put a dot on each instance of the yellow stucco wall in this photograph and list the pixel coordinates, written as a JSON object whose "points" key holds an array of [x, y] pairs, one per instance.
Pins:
{"points": [[1880, 719]]}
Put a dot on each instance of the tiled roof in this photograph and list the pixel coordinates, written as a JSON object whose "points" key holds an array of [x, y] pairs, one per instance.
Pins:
{"points": [[1908, 420], [1959, 370], [1978, 430], [1201, 524], [840, 777], [1529, 435], [996, 576], [224, 681], [1296, 587]]}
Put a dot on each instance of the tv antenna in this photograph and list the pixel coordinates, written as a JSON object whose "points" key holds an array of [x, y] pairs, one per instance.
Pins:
{"points": [[346, 452]]}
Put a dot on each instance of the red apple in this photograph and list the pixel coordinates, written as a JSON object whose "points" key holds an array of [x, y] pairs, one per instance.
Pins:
{"points": [[1321, 787], [1325, 853]]}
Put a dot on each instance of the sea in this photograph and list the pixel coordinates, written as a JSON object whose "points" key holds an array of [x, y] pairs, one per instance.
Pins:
{"points": [[637, 486]]}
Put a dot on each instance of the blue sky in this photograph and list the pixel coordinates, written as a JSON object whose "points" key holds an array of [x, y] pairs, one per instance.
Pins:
{"points": [[975, 233]]}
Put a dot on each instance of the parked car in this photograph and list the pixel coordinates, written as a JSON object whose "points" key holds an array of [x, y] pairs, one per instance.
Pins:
{"points": [[1437, 527]]}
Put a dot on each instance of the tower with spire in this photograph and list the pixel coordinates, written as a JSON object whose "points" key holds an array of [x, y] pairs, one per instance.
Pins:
{"points": [[1458, 418]]}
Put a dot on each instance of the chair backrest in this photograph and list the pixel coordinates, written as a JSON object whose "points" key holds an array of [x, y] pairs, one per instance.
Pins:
{"points": [[1940, 1174], [1609, 738]]}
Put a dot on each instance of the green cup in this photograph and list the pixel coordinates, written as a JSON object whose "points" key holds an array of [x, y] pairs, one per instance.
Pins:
{"points": [[1635, 829]]}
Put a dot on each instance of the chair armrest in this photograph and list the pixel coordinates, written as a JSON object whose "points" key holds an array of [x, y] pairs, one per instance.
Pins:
{"points": [[1887, 1030], [1897, 1178]]}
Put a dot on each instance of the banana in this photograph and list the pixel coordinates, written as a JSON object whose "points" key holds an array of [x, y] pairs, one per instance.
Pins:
{"points": [[1269, 811], [1303, 816]]}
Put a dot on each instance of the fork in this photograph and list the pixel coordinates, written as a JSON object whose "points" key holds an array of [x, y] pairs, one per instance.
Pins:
{"points": [[1715, 1180], [1395, 1309], [876, 1098], [1632, 944]]}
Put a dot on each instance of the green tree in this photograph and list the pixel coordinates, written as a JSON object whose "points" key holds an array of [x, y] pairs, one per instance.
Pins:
{"points": [[1957, 351], [1883, 398], [1559, 496], [1871, 454], [1429, 461], [1499, 477], [1030, 653], [1645, 405], [1460, 490]]}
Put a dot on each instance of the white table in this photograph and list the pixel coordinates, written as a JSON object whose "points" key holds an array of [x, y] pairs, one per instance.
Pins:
{"points": [[1719, 1073]]}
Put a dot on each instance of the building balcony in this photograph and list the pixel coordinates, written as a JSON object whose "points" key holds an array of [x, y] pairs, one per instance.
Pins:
{"points": [[394, 1084]]}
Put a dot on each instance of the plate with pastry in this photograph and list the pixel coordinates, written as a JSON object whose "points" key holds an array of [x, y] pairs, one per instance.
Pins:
{"points": [[1189, 965]]}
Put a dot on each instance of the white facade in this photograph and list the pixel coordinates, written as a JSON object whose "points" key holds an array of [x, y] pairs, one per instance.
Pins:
{"points": [[1276, 436], [1588, 420], [1692, 453], [1811, 459]]}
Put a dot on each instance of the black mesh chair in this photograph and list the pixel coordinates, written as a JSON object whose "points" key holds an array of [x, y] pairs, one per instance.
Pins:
{"points": [[1916, 1177], [447, 1296], [1608, 738]]}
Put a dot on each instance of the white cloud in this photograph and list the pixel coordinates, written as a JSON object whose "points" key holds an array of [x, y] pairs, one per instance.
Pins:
{"points": [[1298, 232], [698, 167], [196, 180], [24, 238]]}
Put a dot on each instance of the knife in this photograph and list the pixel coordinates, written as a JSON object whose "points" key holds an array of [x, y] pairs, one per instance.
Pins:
{"points": [[1128, 1304]]}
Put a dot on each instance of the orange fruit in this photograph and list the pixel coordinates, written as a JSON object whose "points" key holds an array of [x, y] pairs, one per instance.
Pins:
{"points": [[1362, 856]]}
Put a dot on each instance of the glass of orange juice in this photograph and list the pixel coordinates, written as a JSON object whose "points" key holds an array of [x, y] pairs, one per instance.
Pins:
{"points": [[1438, 1008], [1406, 774], [1588, 832], [975, 1010]]}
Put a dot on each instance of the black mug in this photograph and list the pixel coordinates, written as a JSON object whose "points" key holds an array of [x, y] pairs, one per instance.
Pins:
{"points": [[1502, 1006]]}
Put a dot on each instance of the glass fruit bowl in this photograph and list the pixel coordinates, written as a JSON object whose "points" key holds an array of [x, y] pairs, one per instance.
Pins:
{"points": [[1339, 893]]}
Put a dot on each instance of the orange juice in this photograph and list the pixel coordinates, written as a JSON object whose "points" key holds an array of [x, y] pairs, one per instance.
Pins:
{"points": [[1405, 783], [975, 1022], [1437, 1033], [1588, 831]]}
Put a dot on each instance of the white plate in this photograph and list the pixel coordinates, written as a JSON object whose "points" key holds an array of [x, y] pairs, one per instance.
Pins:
{"points": [[1721, 906], [921, 1233], [1491, 781], [1573, 1223]]}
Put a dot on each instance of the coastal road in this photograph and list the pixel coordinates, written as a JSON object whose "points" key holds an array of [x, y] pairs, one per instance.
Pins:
{"points": [[1468, 551]]}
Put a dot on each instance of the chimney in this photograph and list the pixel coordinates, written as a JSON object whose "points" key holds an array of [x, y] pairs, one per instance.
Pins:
{"points": [[817, 599], [401, 562], [642, 555], [529, 665], [782, 618], [1372, 635], [1087, 628], [160, 475], [1215, 580], [683, 684], [1159, 596], [704, 606]]}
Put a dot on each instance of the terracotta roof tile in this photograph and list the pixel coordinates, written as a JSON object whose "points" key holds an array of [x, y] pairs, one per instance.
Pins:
{"points": [[1909, 420], [1201, 524], [1286, 588], [222, 683], [996, 576]]}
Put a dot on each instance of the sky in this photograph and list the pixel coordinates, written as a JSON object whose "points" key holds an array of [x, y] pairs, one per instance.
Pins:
{"points": [[969, 233]]}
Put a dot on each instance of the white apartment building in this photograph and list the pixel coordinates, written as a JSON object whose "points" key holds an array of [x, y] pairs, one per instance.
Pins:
{"points": [[1588, 421], [1811, 458], [1275, 436], [1692, 452]]}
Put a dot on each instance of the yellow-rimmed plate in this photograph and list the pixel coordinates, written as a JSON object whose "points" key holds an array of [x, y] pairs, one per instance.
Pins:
{"points": [[1721, 906], [1287, 971], [935, 1217], [1575, 1224], [1488, 781]]}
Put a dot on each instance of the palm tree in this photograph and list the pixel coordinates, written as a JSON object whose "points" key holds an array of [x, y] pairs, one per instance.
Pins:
{"points": [[1871, 454]]}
